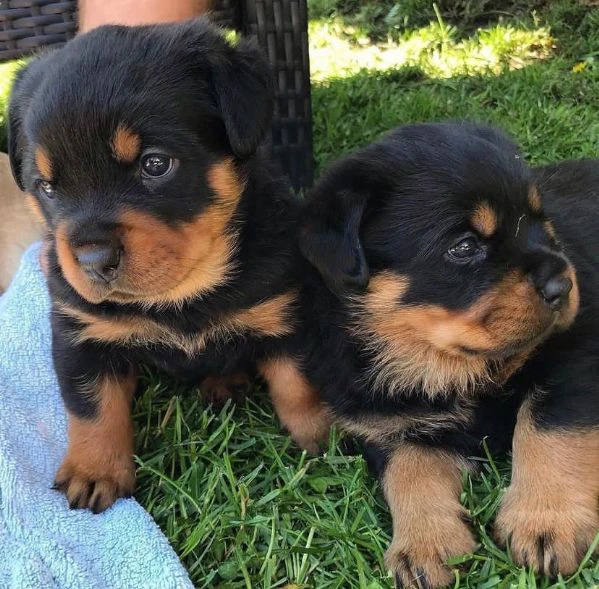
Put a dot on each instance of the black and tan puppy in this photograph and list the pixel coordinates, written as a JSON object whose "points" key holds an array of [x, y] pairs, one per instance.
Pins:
{"points": [[459, 299], [169, 240]]}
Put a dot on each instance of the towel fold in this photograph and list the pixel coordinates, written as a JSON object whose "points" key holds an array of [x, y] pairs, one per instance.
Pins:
{"points": [[44, 544]]}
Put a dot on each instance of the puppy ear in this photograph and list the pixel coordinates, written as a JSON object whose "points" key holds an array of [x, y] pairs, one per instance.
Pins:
{"points": [[495, 136], [16, 136], [244, 88], [330, 235]]}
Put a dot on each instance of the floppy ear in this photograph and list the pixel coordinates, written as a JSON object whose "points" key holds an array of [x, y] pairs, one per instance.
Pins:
{"points": [[330, 233], [495, 136], [16, 136], [27, 80], [244, 89]]}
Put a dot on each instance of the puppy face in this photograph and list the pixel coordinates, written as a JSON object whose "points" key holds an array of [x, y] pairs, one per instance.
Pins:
{"points": [[451, 270], [131, 144]]}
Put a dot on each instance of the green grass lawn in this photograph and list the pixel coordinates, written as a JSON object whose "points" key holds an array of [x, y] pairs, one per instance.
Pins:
{"points": [[241, 505]]}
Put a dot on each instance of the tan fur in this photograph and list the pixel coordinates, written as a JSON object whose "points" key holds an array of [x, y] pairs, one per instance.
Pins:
{"points": [[69, 265], [484, 220], [550, 230], [439, 351], [422, 487], [387, 430], [296, 402], [35, 209], [125, 144], [549, 513], [19, 227], [569, 313], [269, 318], [43, 163], [98, 467], [167, 266], [534, 199]]}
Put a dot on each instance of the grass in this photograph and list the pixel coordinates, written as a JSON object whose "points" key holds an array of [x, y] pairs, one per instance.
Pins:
{"points": [[241, 505]]}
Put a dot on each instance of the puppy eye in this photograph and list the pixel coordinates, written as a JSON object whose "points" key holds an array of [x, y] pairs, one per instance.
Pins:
{"points": [[46, 188], [465, 250], [156, 165]]}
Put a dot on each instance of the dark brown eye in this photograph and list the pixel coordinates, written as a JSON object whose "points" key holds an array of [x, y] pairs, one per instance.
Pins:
{"points": [[155, 165], [46, 188], [464, 249], [467, 249]]}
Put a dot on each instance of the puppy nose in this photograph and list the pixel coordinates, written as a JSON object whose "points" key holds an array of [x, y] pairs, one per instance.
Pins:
{"points": [[100, 261], [555, 291]]}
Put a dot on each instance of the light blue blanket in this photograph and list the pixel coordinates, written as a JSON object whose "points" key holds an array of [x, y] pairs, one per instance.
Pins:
{"points": [[43, 544]]}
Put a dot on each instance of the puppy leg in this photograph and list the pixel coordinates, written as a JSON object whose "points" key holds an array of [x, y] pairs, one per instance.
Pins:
{"points": [[218, 389], [297, 404], [98, 390], [549, 513], [422, 487]]}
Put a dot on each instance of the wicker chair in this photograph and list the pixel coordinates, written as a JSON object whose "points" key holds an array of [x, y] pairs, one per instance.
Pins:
{"points": [[280, 26]]}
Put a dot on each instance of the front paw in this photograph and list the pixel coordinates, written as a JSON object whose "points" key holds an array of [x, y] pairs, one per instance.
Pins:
{"points": [[552, 539], [310, 430], [95, 486], [420, 560]]}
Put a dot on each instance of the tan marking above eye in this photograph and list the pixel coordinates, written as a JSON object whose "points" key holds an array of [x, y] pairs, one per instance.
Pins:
{"points": [[534, 199], [125, 144], [43, 163], [484, 220]]}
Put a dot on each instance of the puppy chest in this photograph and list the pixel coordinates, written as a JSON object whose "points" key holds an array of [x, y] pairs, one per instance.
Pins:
{"points": [[271, 318]]}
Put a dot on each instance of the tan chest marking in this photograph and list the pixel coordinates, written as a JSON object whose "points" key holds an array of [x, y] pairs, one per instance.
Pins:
{"points": [[272, 317]]}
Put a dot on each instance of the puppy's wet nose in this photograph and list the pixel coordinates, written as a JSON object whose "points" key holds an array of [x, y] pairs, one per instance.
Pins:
{"points": [[555, 291], [100, 261]]}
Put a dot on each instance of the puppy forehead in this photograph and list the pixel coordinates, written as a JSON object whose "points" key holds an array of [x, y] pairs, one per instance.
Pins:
{"points": [[93, 88], [83, 151]]}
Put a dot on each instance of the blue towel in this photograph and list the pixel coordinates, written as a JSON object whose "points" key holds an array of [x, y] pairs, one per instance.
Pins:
{"points": [[43, 544]]}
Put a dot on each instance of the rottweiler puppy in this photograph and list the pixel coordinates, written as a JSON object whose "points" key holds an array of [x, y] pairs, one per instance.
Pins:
{"points": [[169, 237], [457, 297]]}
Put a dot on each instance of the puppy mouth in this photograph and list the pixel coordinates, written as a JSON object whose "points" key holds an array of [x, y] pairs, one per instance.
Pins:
{"points": [[514, 348]]}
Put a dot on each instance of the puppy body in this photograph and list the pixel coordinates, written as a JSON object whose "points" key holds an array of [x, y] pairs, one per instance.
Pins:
{"points": [[168, 233], [456, 301]]}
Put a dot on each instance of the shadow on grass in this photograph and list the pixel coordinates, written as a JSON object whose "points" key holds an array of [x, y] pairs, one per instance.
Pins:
{"points": [[549, 107], [381, 20], [548, 104]]}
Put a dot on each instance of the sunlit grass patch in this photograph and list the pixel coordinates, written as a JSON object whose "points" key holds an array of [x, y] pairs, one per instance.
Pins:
{"points": [[436, 49]]}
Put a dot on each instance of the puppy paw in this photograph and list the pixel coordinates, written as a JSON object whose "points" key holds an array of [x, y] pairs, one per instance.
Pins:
{"points": [[310, 431], [550, 539], [420, 560], [95, 486], [218, 389]]}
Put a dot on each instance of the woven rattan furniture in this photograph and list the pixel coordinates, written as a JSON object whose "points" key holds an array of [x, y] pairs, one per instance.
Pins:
{"points": [[280, 26]]}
